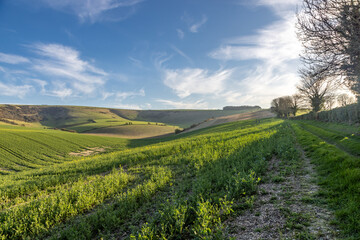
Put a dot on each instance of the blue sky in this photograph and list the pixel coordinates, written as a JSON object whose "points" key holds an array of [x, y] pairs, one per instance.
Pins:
{"points": [[147, 54]]}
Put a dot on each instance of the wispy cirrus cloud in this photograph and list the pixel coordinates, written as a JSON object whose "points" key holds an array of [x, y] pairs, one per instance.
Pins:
{"points": [[279, 6], [182, 104], [188, 81], [275, 44], [12, 59], [124, 95], [59, 90], [180, 33], [65, 63], [12, 90], [274, 49], [193, 25], [194, 28], [181, 53], [136, 62], [95, 10]]}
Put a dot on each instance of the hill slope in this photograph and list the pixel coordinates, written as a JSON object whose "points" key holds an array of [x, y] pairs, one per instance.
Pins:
{"points": [[229, 180], [233, 118], [181, 118], [116, 122], [28, 148]]}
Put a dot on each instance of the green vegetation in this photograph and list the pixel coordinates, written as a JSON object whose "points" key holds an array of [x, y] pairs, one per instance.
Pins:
{"points": [[23, 148], [339, 171], [181, 118], [348, 114], [186, 184], [177, 187], [105, 120]]}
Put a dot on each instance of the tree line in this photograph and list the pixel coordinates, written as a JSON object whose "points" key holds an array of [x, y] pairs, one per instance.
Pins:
{"points": [[287, 106], [329, 31]]}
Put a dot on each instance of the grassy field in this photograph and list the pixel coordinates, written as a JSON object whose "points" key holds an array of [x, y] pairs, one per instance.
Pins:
{"points": [[135, 131], [24, 148], [198, 174], [181, 118], [105, 120], [184, 186], [335, 149]]}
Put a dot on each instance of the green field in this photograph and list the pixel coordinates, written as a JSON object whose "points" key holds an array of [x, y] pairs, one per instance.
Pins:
{"points": [[105, 120], [24, 148], [187, 186], [181, 118]]}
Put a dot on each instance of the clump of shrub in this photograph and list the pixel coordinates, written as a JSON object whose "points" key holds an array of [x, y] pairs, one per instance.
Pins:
{"points": [[177, 131], [67, 130]]}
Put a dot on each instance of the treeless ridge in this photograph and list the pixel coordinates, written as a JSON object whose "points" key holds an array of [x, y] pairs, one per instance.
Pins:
{"points": [[233, 118]]}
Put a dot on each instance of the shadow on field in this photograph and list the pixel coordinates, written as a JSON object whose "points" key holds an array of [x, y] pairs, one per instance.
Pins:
{"points": [[226, 127]]}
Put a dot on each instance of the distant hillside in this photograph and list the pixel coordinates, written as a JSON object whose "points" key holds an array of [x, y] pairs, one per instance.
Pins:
{"points": [[233, 118], [103, 120], [247, 108], [55, 116], [182, 118]]}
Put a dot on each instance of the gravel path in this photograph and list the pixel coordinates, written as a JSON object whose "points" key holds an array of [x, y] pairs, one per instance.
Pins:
{"points": [[286, 207]]}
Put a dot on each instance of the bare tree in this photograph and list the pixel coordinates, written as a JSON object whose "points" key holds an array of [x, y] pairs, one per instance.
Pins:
{"points": [[315, 87], [329, 101], [275, 106], [344, 99], [330, 33], [295, 103], [282, 106]]}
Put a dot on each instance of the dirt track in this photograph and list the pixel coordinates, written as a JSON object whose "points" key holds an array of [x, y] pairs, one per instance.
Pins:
{"points": [[233, 118]]}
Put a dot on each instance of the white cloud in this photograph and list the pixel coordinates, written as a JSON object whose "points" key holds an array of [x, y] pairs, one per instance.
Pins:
{"points": [[136, 62], [275, 51], [65, 63], [106, 95], [124, 95], [194, 28], [12, 59], [180, 33], [41, 83], [93, 10], [181, 53], [273, 44], [61, 93], [128, 106], [261, 85], [189, 81], [11, 90], [279, 6], [183, 105]]}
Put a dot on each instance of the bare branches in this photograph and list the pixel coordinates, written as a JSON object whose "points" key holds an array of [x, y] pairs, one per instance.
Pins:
{"points": [[316, 87], [330, 33], [344, 100], [284, 106]]}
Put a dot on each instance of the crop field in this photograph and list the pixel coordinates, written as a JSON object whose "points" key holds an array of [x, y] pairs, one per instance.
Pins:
{"points": [[181, 118], [188, 186], [28, 148], [335, 150]]}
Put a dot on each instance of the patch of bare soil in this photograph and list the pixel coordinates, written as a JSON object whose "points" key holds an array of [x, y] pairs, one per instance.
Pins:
{"points": [[285, 208], [88, 152]]}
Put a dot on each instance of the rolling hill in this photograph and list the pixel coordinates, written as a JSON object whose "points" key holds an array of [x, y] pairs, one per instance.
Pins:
{"points": [[111, 122]]}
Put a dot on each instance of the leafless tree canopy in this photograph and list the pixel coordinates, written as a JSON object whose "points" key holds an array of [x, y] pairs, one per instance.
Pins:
{"points": [[330, 33], [284, 106], [316, 88], [344, 99]]}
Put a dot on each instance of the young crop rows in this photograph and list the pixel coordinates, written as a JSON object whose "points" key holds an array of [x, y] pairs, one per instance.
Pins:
{"points": [[182, 187]]}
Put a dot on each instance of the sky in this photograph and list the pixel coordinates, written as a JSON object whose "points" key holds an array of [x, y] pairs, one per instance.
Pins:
{"points": [[148, 54]]}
